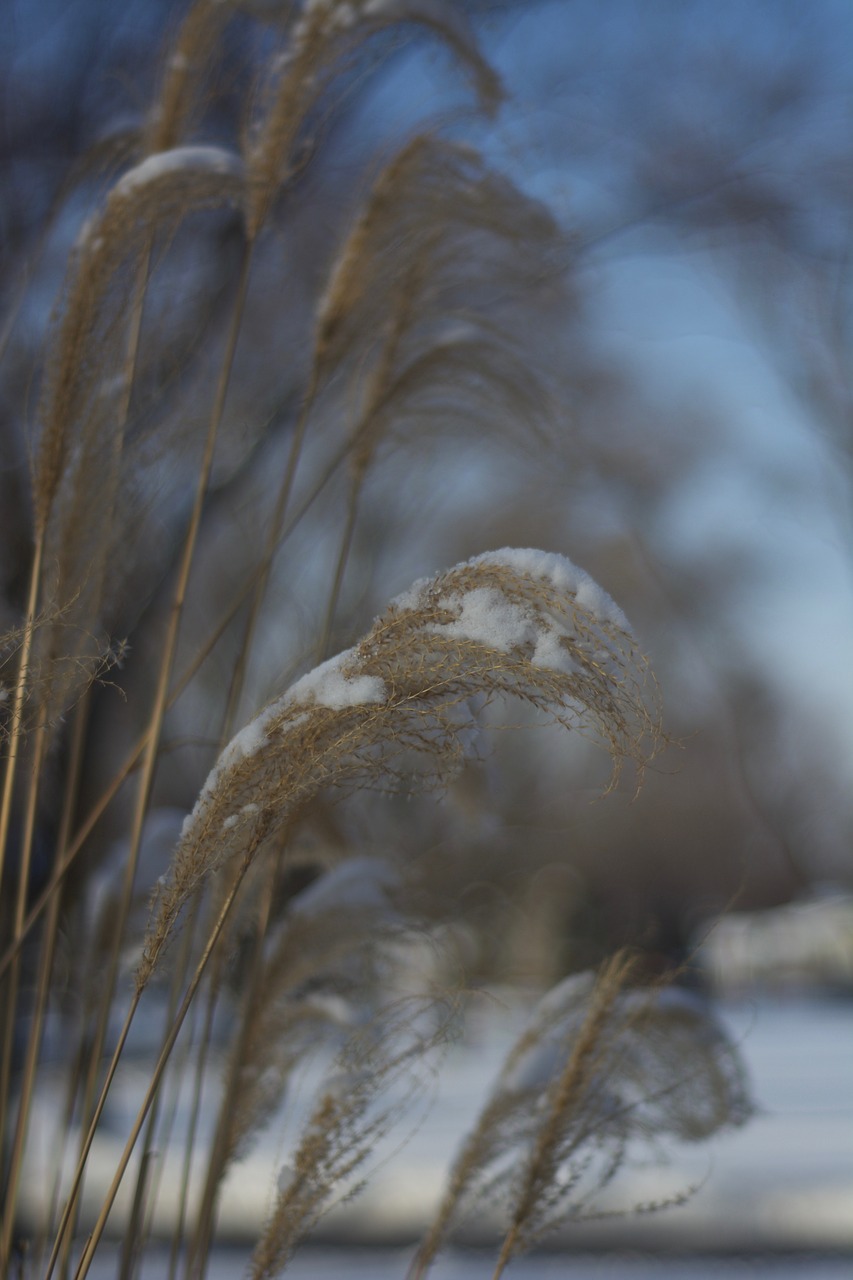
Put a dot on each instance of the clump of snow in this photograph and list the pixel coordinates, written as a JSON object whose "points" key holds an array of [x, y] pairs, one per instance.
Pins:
{"points": [[563, 576], [332, 16], [205, 159], [334, 1008], [483, 614], [216, 161], [486, 614], [329, 685], [544, 566], [247, 742]]}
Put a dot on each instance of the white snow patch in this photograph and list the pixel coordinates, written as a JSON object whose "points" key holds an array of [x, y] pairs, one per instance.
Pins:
{"points": [[247, 742], [563, 576], [329, 686], [543, 566], [199, 159], [487, 617]]}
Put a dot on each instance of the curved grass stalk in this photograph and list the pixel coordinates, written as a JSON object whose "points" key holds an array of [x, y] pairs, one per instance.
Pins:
{"points": [[138, 1228], [116, 447], [572, 1083], [19, 694], [219, 1150], [9, 982], [202, 1058], [34, 1039]]}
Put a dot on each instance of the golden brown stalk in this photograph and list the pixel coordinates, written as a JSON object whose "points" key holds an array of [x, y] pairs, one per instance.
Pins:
{"points": [[171, 117], [201, 176], [8, 985], [16, 721], [168, 123], [11, 993], [28, 1075], [222, 1146], [567, 1099], [325, 36], [154, 1084]]}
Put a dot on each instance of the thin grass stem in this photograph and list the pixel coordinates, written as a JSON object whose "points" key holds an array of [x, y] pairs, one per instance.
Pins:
{"points": [[48, 947], [157, 1074], [136, 752]]}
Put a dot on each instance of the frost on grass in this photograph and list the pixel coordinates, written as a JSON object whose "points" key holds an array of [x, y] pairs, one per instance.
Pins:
{"points": [[398, 709]]}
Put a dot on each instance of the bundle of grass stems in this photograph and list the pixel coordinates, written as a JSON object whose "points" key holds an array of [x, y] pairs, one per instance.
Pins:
{"points": [[138, 438]]}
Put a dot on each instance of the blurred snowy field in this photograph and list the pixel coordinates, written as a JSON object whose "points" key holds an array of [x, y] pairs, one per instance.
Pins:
{"points": [[355, 1264], [774, 1199]]}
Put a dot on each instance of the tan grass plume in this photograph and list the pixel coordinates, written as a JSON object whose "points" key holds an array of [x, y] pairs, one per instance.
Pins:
{"points": [[398, 705], [602, 1067]]}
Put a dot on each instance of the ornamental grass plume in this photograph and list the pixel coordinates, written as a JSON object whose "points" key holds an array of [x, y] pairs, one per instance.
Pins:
{"points": [[398, 708], [320, 974], [80, 412], [381, 1069], [327, 36], [603, 1069]]}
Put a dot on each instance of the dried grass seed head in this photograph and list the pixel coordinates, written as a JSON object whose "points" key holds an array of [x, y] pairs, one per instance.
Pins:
{"points": [[381, 1070], [78, 462], [522, 623], [327, 35], [147, 199], [601, 1069], [186, 68], [436, 200], [422, 309]]}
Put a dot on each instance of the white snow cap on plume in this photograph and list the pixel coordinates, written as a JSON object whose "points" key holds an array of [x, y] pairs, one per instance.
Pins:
{"points": [[486, 615], [325, 686], [502, 620], [204, 159]]}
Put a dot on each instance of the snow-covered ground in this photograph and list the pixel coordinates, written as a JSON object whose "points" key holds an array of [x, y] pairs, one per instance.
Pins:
{"points": [[391, 1264], [783, 1184], [784, 1181]]}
